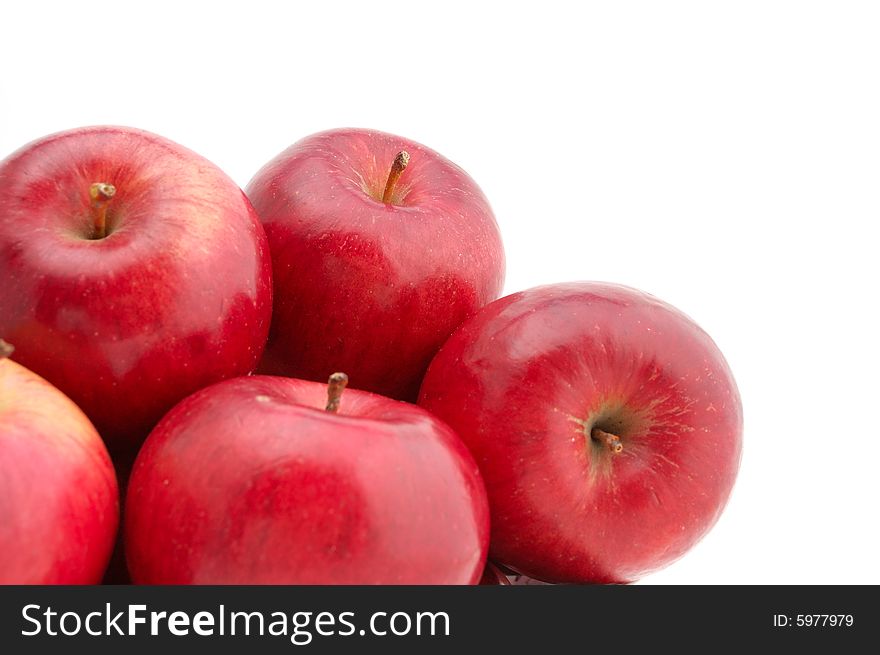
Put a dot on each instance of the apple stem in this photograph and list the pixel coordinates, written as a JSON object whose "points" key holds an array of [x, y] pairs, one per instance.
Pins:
{"points": [[397, 167], [612, 441], [6, 349], [335, 387], [100, 193]]}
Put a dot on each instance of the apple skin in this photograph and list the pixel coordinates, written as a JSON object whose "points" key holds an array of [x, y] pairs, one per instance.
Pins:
{"points": [[364, 287], [59, 510], [251, 482], [525, 382], [176, 297]]}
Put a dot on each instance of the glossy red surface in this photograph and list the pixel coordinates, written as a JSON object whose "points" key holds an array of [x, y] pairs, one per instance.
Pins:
{"points": [[525, 381], [59, 504], [252, 482], [177, 296], [369, 288]]}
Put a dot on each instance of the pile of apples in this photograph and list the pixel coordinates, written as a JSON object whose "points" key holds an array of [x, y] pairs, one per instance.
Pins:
{"points": [[175, 342]]}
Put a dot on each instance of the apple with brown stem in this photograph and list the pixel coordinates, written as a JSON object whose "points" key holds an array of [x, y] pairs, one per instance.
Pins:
{"points": [[270, 480], [380, 247], [606, 424], [140, 270]]}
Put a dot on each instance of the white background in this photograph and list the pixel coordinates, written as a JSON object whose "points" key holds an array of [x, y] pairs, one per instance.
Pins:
{"points": [[723, 156]]}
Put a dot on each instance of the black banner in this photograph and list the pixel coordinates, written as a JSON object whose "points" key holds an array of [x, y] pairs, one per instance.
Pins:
{"points": [[420, 620]]}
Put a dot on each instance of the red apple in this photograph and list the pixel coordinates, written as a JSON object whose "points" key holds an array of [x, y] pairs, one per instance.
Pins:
{"points": [[380, 249], [252, 481], [59, 506], [606, 424], [140, 270]]}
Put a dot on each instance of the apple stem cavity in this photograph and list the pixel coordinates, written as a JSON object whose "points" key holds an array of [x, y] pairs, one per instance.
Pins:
{"points": [[335, 386], [100, 193], [397, 167], [6, 349], [611, 441]]}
